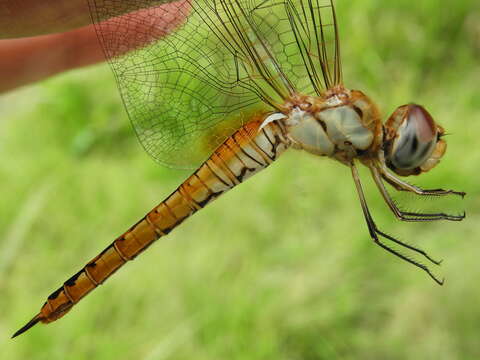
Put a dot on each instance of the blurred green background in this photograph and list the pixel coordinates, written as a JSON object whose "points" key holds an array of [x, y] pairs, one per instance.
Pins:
{"points": [[280, 268]]}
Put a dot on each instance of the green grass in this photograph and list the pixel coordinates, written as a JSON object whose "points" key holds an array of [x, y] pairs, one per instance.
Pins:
{"points": [[280, 268]]}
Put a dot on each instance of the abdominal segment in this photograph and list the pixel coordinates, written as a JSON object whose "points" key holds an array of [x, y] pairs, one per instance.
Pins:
{"points": [[246, 152]]}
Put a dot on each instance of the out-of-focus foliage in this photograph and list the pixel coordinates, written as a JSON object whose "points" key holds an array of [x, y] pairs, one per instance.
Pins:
{"points": [[280, 268]]}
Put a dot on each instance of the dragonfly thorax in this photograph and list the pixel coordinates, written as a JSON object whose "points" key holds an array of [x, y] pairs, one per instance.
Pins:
{"points": [[341, 125]]}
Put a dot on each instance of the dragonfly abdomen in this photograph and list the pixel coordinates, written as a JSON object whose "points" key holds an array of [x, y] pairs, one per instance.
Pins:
{"points": [[247, 151]]}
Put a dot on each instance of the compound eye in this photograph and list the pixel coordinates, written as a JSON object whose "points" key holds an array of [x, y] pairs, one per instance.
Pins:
{"points": [[415, 138]]}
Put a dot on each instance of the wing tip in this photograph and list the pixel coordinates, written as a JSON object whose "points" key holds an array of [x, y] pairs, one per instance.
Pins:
{"points": [[28, 325]]}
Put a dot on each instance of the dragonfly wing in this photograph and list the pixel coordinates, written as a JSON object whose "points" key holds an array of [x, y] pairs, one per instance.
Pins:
{"points": [[303, 35], [192, 72]]}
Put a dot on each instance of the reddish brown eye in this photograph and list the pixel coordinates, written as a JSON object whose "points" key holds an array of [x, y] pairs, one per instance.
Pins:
{"points": [[415, 138], [426, 129]]}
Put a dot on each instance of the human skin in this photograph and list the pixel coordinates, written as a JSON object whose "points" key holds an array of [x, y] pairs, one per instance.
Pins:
{"points": [[39, 39]]}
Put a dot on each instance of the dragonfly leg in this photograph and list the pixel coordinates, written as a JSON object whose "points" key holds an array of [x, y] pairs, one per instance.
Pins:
{"points": [[376, 234], [401, 185], [405, 215]]}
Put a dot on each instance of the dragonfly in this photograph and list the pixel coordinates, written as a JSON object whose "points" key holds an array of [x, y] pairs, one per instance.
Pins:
{"points": [[233, 86]]}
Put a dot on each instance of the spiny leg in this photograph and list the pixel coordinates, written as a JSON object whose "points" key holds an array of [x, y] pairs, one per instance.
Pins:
{"points": [[375, 233], [401, 185], [405, 215]]}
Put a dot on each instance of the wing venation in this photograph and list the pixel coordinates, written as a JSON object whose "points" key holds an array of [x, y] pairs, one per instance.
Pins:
{"points": [[191, 72]]}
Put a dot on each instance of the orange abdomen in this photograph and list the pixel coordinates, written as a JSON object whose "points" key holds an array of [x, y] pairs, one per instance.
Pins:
{"points": [[246, 152]]}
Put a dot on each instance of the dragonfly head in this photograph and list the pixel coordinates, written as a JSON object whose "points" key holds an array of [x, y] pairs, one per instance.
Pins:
{"points": [[413, 142]]}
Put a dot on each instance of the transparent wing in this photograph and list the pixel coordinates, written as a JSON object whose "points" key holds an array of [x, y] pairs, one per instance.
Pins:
{"points": [[191, 72]]}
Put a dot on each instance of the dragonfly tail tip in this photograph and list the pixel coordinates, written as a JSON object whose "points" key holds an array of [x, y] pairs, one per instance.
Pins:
{"points": [[28, 325]]}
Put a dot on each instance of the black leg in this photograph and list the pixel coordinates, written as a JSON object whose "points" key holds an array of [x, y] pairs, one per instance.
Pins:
{"points": [[376, 234], [405, 215], [401, 185]]}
